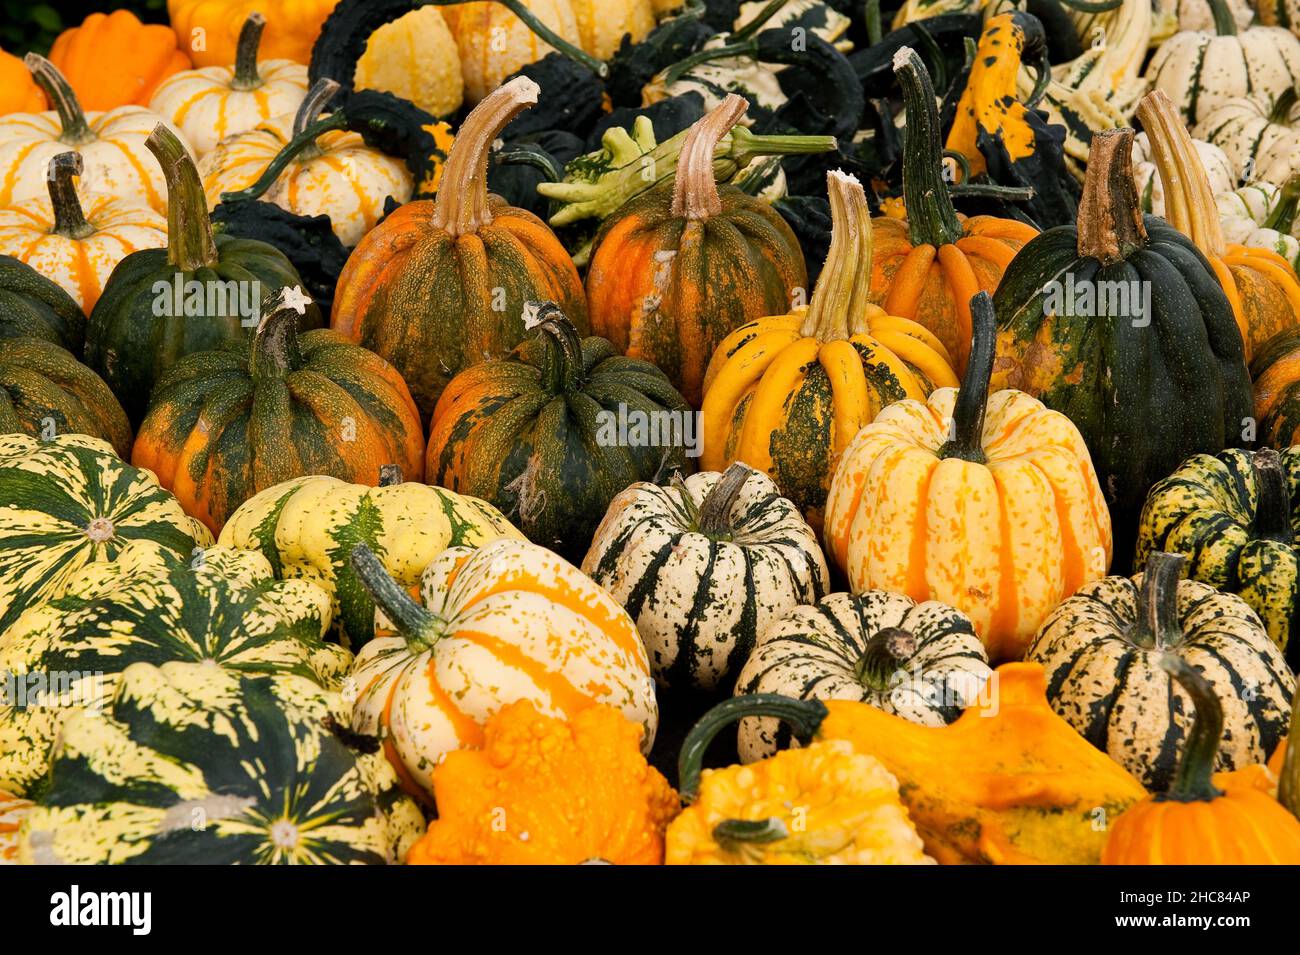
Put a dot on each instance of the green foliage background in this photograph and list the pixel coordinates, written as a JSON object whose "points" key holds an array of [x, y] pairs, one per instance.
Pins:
{"points": [[26, 26]]}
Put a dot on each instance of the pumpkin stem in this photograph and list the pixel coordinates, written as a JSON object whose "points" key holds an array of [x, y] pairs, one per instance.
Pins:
{"points": [[1273, 507], [1280, 114], [1224, 23], [1110, 216], [421, 628], [1157, 626], [190, 245], [871, 16], [72, 118], [736, 835], [1193, 780], [1189, 198], [1282, 218], [841, 294], [967, 441], [1288, 783], [461, 207], [250, 38], [309, 110], [745, 48], [275, 352], [759, 20], [931, 218], [695, 191], [69, 218], [886, 651], [390, 475], [563, 368], [713, 519], [804, 716]]}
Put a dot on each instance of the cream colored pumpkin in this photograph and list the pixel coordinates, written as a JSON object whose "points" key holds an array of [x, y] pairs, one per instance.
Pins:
{"points": [[78, 242], [415, 57], [505, 622], [115, 160], [212, 103], [602, 24], [1171, 16], [1259, 134], [340, 176], [494, 43], [1261, 215], [1151, 193]]}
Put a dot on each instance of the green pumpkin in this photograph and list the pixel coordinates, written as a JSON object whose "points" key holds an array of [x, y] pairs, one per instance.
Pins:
{"points": [[32, 305], [1230, 515], [69, 502], [537, 433], [135, 333], [1147, 381], [222, 607], [45, 391], [194, 764]]}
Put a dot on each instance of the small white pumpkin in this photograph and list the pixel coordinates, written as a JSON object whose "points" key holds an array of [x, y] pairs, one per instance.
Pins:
{"points": [[1262, 215], [415, 57], [1260, 135], [1171, 16]]}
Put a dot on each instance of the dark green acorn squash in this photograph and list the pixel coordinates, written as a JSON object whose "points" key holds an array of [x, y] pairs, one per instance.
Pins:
{"points": [[1121, 325], [32, 305]]}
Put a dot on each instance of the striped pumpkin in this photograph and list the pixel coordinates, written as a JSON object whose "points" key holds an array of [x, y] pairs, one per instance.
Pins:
{"points": [[1262, 215], [45, 391], [12, 812], [494, 43], [214, 102], [69, 502], [787, 394], [33, 306], [1230, 515], [201, 765], [1275, 372], [922, 662], [537, 433], [508, 621], [224, 425], [74, 241], [705, 566], [987, 503], [1102, 648], [308, 526], [681, 266], [1258, 133], [441, 284], [222, 607], [1171, 16]]}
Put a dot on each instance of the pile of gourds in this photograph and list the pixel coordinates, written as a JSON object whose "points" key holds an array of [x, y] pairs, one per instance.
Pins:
{"points": [[445, 421]]}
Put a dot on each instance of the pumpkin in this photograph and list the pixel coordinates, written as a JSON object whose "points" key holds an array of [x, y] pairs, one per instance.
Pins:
{"points": [[1102, 651], [1075, 330], [705, 566], [922, 662], [1007, 782], [115, 60], [986, 502], [68, 502], [334, 173], [1218, 170], [787, 394], [1202, 69], [681, 266], [18, 91], [602, 24], [32, 305], [200, 291], [548, 791], [209, 104], [74, 243], [112, 146], [12, 812], [1263, 216], [224, 609], [1258, 133], [45, 391], [259, 769], [414, 57], [926, 267], [1276, 374], [223, 425], [553, 431], [1282, 13], [1175, 15], [307, 527], [822, 805], [1260, 284], [505, 622], [494, 41], [210, 29], [1193, 822], [441, 284]]}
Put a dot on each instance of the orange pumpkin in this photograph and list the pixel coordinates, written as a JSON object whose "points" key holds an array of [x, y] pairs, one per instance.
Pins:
{"points": [[18, 91], [115, 60], [209, 29], [929, 266]]}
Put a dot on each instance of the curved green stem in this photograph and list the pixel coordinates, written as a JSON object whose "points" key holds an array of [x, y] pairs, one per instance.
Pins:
{"points": [[190, 245], [563, 369], [871, 16], [1282, 218], [250, 39], [931, 218], [1224, 23], [1273, 507], [1092, 6], [967, 441], [1157, 626], [274, 352], [535, 157], [69, 218], [72, 118], [1193, 780], [988, 190], [714, 516], [886, 652], [804, 716], [1280, 113], [734, 835], [755, 24], [420, 628], [683, 66]]}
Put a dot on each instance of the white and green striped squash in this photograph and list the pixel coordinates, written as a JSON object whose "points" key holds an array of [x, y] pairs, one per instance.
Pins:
{"points": [[193, 764], [922, 662], [1259, 133], [12, 812], [1171, 16], [308, 526], [72, 501], [1102, 648], [1261, 215], [222, 608], [704, 566]]}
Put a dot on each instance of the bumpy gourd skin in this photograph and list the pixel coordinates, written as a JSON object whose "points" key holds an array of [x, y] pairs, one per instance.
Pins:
{"points": [[545, 792], [838, 806]]}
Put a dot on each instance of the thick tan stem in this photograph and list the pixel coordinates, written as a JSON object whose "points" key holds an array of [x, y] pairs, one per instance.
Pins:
{"points": [[842, 291], [461, 207], [1110, 217], [1189, 198], [695, 192]]}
